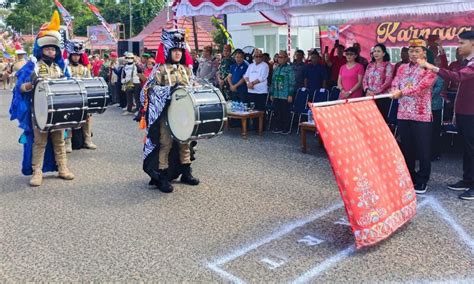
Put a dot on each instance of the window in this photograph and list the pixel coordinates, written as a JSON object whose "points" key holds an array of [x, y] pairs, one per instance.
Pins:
{"points": [[284, 45], [267, 43], [260, 42]]}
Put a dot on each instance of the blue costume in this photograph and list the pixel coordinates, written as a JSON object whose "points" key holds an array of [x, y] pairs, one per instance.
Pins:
{"points": [[20, 109]]}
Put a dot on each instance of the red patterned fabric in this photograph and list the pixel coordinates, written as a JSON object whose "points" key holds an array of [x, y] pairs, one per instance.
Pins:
{"points": [[369, 167]]}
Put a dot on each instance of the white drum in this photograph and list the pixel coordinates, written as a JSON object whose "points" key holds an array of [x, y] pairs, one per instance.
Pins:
{"points": [[197, 113]]}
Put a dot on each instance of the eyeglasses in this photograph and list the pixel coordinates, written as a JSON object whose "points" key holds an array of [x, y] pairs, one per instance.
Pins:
{"points": [[257, 56]]}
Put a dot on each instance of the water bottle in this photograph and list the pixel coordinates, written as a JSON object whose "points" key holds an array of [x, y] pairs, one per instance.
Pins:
{"points": [[310, 116]]}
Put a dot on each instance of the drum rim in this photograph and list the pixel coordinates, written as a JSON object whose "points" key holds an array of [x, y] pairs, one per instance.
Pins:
{"points": [[49, 127]]}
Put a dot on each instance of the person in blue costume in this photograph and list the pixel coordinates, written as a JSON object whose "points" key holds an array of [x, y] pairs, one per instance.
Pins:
{"points": [[43, 152]]}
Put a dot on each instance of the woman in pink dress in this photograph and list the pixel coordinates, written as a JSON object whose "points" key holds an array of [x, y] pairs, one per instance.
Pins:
{"points": [[350, 76], [378, 77]]}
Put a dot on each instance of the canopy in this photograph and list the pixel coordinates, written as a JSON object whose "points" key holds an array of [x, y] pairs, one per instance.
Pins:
{"points": [[212, 7], [300, 13]]}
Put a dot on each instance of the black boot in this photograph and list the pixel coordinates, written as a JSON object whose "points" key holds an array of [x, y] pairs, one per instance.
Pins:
{"points": [[187, 177], [163, 183]]}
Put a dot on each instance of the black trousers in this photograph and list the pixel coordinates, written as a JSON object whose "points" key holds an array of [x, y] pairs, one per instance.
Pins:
{"points": [[281, 109], [133, 95], [465, 125], [384, 107], [416, 145], [238, 97], [436, 135]]}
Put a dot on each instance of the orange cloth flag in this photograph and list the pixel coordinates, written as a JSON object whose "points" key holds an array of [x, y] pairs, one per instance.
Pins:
{"points": [[369, 167]]}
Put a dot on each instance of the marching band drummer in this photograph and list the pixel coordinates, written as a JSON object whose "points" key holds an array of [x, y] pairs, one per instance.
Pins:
{"points": [[77, 68], [173, 70], [38, 155]]}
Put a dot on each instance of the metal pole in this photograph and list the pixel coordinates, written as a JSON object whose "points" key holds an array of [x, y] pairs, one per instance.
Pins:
{"points": [[338, 102], [130, 14]]}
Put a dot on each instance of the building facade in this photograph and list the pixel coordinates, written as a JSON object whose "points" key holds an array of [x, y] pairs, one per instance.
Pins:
{"points": [[252, 29]]}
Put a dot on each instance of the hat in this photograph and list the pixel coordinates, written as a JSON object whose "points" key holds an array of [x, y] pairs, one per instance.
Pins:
{"points": [[19, 49], [171, 39], [416, 42], [467, 35], [113, 54], [49, 33], [75, 46], [146, 55]]}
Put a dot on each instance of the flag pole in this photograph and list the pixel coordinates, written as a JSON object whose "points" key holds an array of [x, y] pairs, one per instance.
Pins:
{"points": [[338, 102]]}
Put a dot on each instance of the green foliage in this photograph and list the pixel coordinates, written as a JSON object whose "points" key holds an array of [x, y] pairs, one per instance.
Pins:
{"points": [[28, 13], [218, 35]]}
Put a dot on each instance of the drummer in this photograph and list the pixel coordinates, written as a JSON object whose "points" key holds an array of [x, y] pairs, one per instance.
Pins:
{"points": [[50, 65], [77, 68], [173, 71]]}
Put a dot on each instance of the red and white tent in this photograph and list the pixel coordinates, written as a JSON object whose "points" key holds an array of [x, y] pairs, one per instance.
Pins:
{"points": [[300, 13]]}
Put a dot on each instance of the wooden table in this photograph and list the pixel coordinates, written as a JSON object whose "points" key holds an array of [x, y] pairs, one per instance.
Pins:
{"points": [[243, 116], [305, 127]]}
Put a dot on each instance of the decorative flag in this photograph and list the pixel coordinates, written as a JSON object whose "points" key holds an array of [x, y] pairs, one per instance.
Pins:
{"points": [[104, 23], [369, 168], [64, 13]]}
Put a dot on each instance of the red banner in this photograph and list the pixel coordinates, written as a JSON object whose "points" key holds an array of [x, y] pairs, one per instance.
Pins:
{"points": [[396, 35], [369, 167]]}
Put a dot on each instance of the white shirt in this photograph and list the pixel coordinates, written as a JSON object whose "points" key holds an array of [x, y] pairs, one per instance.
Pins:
{"points": [[258, 72], [129, 70]]}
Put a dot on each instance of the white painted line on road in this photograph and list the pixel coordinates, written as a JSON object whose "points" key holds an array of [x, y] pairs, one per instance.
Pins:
{"points": [[224, 274], [310, 241], [313, 272], [335, 259], [272, 264], [456, 227], [279, 233], [342, 221], [325, 265]]}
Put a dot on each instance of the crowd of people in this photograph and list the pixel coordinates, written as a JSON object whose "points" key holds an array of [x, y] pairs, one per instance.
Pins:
{"points": [[420, 82], [420, 93]]}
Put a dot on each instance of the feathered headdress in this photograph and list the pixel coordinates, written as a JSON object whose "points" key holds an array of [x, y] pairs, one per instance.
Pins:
{"points": [[49, 32], [171, 39]]}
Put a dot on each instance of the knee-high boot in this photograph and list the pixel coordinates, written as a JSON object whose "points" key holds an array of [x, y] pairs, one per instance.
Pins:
{"points": [[86, 129], [60, 155]]}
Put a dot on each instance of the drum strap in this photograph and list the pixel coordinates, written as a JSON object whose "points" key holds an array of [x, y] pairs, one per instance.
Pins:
{"points": [[185, 74], [169, 75]]}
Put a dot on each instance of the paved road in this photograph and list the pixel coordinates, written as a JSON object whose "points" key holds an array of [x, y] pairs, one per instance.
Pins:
{"points": [[264, 212]]}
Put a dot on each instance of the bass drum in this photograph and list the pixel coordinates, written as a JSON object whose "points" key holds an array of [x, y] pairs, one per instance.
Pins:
{"points": [[97, 94], [196, 113], [59, 104]]}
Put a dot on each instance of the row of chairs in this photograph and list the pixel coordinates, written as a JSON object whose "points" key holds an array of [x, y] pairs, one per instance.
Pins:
{"points": [[303, 96]]}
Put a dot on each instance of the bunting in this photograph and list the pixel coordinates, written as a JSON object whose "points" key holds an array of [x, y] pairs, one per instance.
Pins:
{"points": [[64, 13]]}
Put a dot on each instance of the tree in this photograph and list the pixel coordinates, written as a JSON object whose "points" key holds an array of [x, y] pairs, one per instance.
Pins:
{"points": [[33, 13], [218, 35]]}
